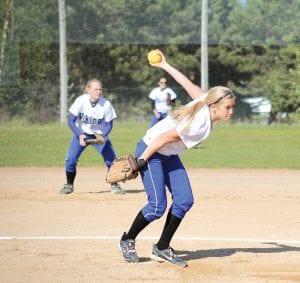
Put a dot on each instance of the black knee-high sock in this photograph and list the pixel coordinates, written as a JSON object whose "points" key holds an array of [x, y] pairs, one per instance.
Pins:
{"points": [[137, 226], [170, 228], [167, 219], [70, 177]]}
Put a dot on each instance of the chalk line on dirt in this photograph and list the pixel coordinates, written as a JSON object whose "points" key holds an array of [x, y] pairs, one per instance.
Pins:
{"points": [[109, 238]]}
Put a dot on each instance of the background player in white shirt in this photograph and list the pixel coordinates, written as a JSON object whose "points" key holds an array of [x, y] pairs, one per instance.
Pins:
{"points": [[163, 98], [90, 113], [161, 168]]}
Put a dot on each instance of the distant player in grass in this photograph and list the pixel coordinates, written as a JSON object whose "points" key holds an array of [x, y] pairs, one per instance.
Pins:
{"points": [[162, 100], [90, 113]]}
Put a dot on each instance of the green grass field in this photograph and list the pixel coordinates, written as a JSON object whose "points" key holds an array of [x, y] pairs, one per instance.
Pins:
{"points": [[229, 146]]}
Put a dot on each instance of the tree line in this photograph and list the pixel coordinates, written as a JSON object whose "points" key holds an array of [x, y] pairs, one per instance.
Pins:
{"points": [[253, 48]]}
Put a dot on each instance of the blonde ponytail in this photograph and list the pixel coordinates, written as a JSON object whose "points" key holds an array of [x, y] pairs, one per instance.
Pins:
{"points": [[188, 112]]}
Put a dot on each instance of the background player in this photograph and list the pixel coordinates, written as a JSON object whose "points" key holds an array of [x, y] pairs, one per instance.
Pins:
{"points": [[181, 129], [90, 113], [163, 98]]}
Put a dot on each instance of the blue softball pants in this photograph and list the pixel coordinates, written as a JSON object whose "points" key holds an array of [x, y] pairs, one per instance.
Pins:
{"points": [[160, 172], [75, 150]]}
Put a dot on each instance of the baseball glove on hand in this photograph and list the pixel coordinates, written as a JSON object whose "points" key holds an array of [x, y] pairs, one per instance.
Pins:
{"points": [[124, 168], [99, 139]]}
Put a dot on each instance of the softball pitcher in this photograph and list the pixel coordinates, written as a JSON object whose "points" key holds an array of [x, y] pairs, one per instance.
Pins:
{"points": [[90, 113], [181, 129]]}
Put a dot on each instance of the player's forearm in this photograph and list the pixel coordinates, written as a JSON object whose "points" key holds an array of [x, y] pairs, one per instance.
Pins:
{"points": [[152, 148], [193, 90], [159, 142], [106, 127], [72, 125]]}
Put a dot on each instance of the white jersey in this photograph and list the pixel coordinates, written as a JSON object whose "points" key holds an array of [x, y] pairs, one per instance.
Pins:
{"points": [[198, 131], [89, 117], [160, 96]]}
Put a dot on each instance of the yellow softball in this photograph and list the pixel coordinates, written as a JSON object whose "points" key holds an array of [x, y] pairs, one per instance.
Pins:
{"points": [[154, 57]]}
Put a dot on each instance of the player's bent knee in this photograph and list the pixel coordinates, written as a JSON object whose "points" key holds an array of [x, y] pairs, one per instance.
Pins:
{"points": [[185, 203], [189, 203], [154, 213], [153, 216], [180, 209], [71, 165], [159, 211]]}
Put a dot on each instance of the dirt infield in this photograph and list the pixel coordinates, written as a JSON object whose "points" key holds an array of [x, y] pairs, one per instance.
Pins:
{"points": [[243, 227]]}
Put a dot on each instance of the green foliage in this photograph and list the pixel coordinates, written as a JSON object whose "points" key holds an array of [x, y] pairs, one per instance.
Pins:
{"points": [[254, 48], [134, 21], [269, 65], [258, 22], [229, 146], [35, 21], [281, 80]]}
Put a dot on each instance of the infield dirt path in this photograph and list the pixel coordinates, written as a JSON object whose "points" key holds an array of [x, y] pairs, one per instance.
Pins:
{"points": [[243, 227]]}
